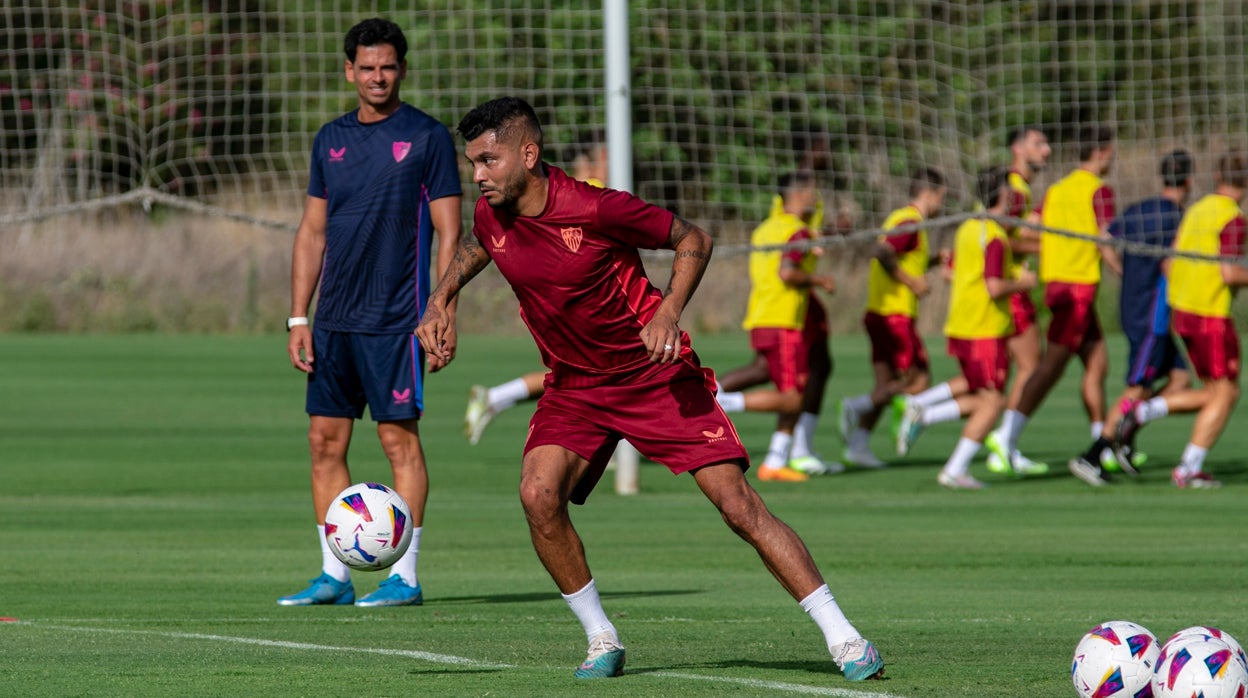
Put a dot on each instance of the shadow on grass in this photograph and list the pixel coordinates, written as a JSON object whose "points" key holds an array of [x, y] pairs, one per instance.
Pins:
{"points": [[797, 667], [545, 596]]}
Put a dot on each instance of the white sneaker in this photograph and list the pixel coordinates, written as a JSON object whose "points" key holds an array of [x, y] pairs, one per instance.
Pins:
{"points": [[846, 419], [862, 458], [959, 482], [909, 428], [479, 413], [814, 465]]}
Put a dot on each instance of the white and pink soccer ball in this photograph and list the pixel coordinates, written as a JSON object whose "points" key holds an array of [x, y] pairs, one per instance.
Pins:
{"points": [[1201, 662], [1115, 660], [368, 526]]}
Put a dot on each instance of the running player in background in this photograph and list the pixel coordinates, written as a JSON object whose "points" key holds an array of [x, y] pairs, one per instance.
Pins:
{"points": [[895, 283], [1154, 363], [1200, 294], [783, 327], [978, 325], [1029, 154], [620, 367], [383, 183], [1070, 266]]}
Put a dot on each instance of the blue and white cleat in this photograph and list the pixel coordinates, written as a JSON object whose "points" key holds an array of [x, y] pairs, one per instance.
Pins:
{"points": [[909, 429], [393, 592], [605, 659], [325, 590], [858, 660]]}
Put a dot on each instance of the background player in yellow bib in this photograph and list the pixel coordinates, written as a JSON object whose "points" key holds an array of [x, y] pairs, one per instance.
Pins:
{"points": [[978, 325], [1070, 267], [783, 329], [1200, 294], [895, 284]]}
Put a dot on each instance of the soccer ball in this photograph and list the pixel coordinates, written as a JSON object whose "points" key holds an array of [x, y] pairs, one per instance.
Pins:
{"points": [[368, 526], [1201, 666], [1115, 660], [1204, 631]]}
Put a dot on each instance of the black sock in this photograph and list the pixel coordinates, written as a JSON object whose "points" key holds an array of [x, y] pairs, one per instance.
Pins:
{"points": [[1093, 454]]}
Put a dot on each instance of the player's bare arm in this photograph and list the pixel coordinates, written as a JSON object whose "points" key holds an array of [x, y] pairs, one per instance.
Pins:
{"points": [[438, 322], [1235, 275], [447, 217], [887, 258], [693, 246], [792, 275], [305, 272]]}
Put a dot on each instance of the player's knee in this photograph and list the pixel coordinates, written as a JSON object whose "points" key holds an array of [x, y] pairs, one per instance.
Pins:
{"points": [[326, 445], [743, 513]]}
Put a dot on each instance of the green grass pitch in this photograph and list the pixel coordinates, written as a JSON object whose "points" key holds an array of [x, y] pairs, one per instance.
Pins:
{"points": [[154, 504]]}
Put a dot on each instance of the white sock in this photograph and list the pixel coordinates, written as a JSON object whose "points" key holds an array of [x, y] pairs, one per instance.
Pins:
{"points": [[1149, 410], [960, 460], [330, 564], [933, 395], [1193, 459], [940, 413], [860, 440], [860, 403], [731, 402], [778, 451], [804, 435], [406, 566], [588, 609], [508, 394], [823, 609], [1097, 429], [1012, 425]]}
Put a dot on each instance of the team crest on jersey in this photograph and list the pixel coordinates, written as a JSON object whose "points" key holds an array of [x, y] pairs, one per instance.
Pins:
{"points": [[337, 155], [572, 237], [400, 150]]}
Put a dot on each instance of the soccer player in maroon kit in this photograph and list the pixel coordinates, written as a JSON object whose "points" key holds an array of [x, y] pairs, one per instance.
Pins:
{"points": [[620, 367]]}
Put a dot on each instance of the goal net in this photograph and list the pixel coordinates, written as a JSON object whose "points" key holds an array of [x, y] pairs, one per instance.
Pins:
{"points": [[210, 108]]}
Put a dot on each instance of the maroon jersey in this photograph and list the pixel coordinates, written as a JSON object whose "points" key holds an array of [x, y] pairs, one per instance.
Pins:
{"points": [[576, 271]]}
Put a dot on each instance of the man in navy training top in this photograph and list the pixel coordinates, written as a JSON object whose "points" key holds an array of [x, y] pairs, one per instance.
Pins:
{"points": [[620, 367], [1155, 365], [384, 181]]}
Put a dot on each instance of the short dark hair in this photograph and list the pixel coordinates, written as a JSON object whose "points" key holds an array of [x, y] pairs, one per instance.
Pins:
{"points": [[989, 184], [1093, 137], [1176, 168], [1018, 133], [1233, 169], [505, 116], [374, 32], [925, 179], [790, 180]]}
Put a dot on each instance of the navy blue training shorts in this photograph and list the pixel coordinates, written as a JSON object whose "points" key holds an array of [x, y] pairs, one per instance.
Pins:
{"points": [[351, 370]]}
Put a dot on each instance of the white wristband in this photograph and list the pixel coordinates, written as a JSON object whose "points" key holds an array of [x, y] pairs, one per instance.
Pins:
{"points": [[295, 322]]}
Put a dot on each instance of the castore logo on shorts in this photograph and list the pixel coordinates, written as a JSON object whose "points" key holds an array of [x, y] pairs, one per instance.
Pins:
{"points": [[713, 436]]}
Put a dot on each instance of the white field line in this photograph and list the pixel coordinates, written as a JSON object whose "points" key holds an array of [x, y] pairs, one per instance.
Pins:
{"points": [[411, 654], [778, 686]]}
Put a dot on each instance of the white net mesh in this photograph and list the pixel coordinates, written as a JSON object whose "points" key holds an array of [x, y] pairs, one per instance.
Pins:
{"points": [[211, 106]]}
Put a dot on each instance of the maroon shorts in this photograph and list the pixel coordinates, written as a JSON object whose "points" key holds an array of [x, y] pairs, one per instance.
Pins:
{"points": [[1023, 312], [984, 362], [1212, 344], [895, 342], [787, 355], [1074, 321], [815, 329], [668, 412]]}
